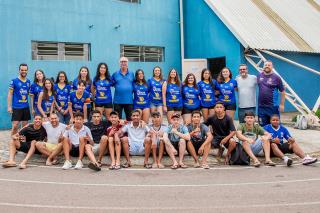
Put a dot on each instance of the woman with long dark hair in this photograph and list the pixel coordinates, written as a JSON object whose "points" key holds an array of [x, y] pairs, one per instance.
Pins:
{"points": [[84, 75], [46, 99], [208, 88], [190, 97], [101, 90], [227, 88], [141, 95], [172, 95], [35, 89], [62, 91], [155, 91], [79, 101]]}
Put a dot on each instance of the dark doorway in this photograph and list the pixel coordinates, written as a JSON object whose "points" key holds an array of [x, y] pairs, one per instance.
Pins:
{"points": [[215, 65]]}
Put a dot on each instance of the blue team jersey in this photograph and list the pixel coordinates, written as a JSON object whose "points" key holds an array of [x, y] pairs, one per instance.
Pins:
{"points": [[281, 132], [155, 91], [35, 90], [123, 87], [207, 93], [46, 104], [62, 95], [75, 85], [21, 91], [227, 92], [77, 102], [173, 95], [140, 96], [190, 97], [103, 91]]}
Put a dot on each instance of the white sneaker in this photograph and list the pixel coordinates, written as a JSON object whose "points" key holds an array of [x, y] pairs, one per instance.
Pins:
{"points": [[79, 165], [67, 165], [309, 160]]}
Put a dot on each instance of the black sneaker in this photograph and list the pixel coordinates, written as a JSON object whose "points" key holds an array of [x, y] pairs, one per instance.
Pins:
{"points": [[289, 162]]}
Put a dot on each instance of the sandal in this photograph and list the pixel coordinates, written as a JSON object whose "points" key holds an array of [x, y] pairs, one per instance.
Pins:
{"points": [[196, 165], [147, 166], [183, 166], [256, 164], [270, 163], [112, 167], [117, 167], [8, 165], [175, 166], [126, 165], [160, 166], [94, 166], [205, 166], [154, 166], [99, 163]]}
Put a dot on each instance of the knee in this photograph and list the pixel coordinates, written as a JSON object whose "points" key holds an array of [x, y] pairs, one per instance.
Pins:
{"points": [[182, 142], [87, 147], [147, 141]]}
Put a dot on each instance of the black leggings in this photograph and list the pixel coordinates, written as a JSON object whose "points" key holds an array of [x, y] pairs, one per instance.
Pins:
{"points": [[128, 108]]}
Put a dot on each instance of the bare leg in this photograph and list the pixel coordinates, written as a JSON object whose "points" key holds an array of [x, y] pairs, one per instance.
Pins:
{"points": [[192, 152], [276, 151], [247, 149], [107, 112], [55, 153], [147, 150], [230, 113], [125, 147], [205, 113], [171, 151], [102, 149], [66, 148], [89, 152], [206, 153], [111, 150], [186, 118], [29, 154], [13, 146], [266, 149], [182, 149], [146, 115], [169, 114], [297, 150], [82, 145], [41, 147], [15, 126], [118, 149]]}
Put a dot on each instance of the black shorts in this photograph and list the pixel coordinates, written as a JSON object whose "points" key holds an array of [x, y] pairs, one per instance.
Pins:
{"points": [[107, 105], [188, 111], [231, 107], [74, 151], [196, 145], [21, 114], [284, 148], [175, 144], [216, 142], [174, 108], [212, 107], [25, 146]]}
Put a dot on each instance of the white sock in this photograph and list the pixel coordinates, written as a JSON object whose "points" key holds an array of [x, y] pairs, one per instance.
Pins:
{"points": [[285, 158]]}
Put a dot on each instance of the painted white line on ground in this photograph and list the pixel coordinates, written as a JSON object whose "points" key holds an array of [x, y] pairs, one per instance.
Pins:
{"points": [[160, 208], [158, 185], [105, 168]]}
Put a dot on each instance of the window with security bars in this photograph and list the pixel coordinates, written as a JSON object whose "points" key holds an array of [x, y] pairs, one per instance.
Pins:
{"points": [[132, 1], [61, 51], [142, 53]]}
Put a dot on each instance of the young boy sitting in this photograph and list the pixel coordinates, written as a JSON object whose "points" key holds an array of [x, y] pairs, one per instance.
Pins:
{"points": [[279, 147]]}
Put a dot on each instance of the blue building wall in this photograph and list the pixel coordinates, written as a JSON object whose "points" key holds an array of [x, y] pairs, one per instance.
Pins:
{"points": [[153, 22], [207, 37]]}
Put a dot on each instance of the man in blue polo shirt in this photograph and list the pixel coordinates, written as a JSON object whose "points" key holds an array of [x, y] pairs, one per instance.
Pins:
{"points": [[122, 81], [270, 84], [18, 104]]}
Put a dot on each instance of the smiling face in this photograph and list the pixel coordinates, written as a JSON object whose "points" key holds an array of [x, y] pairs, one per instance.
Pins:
{"points": [[37, 121], [173, 74], [114, 119], [135, 117], [62, 78], [206, 75], [123, 63], [96, 118], [191, 79], [103, 69], [196, 117], [23, 71], [54, 120], [78, 122], [268, 67], [156, 120], [243, 70], [140, 75], [83, 73], [39, 76], [48, 85], [275, 121], [81, 87], [226, 73], [157, 72]]}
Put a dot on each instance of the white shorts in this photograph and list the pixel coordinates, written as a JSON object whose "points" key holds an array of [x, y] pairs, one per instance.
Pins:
{"points": [[136, 148], [95, 148]]}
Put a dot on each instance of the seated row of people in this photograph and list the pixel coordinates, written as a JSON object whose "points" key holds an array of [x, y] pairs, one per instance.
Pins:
{"points": [[136, 137]]}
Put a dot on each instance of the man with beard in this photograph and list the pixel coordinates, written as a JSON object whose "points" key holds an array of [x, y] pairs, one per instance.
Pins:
{"points": [[17, 100], [269, 84]]}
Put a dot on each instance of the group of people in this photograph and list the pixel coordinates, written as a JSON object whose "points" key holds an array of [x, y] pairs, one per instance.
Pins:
{"points": [[84, 119]]}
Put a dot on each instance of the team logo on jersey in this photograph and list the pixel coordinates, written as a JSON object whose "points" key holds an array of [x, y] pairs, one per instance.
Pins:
{"points": [[208, 97], [226, 97], [62, 103], [269, 81], [231, 84], [141, 99], [101, 94], [157, 94], [174, 97], [23, 97], [190, 101]]}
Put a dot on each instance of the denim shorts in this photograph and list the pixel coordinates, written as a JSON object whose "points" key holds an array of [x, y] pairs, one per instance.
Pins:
{"points": [[136, 148]]}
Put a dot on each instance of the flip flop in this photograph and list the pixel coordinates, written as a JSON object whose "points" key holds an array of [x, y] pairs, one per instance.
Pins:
{"points": [[183, 166], [112, 167], [160, 166], [147, 166], [174, 166], [117, 167], [270, 163], [154, 166], [205, 166], [196, 165], [256, 164], [8, 165], [126, 165]]}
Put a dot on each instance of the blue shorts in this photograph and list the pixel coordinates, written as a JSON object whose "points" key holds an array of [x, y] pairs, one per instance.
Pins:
{"points": [[265, 113], [257, 147], [136, 148]]}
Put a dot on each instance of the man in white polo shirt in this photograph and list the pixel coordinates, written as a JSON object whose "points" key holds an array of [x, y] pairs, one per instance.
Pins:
{"points": [[53, 146], [136, 143], [75, 140]]}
